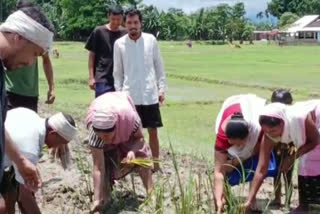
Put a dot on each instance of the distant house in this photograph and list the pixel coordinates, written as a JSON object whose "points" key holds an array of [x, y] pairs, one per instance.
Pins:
{"points": [[304, 30], [265, 35]]}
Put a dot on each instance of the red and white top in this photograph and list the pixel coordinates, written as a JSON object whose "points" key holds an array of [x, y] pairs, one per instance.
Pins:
{"points": [[249, 105], [222, 142]]}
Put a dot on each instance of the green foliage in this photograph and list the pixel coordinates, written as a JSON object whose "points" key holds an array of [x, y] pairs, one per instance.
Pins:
{"points": [[247, 32], [299, 7], [287, 19], [6, 7], [267, 25], [79, 17], [75, 19]]}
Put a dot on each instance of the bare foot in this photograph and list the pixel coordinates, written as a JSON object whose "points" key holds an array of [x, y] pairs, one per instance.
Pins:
{"points": [[98, 207]]}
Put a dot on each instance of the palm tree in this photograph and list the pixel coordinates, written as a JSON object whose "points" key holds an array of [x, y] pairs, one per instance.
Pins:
{"points": [[260, 15]]}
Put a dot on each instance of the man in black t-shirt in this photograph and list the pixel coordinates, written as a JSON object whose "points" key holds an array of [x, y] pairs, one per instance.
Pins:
{"points": [[100, 47]]}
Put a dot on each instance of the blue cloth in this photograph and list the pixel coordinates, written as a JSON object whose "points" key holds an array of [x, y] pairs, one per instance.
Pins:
{"points": [[3, 111], [102, 87], [249, 168]]}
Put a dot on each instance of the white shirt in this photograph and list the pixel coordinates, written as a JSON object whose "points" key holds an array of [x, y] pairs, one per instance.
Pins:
{"points": [[138, 69], [27, 131]]}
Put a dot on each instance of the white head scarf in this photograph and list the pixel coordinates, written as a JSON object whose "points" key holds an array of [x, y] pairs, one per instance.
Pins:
{"points": [[20, 23], [279, 111], [61, 125], [250, 106], [293, 117]]}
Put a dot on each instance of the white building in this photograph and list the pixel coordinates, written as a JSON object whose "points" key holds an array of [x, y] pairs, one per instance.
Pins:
{"points": [[304, 30]]}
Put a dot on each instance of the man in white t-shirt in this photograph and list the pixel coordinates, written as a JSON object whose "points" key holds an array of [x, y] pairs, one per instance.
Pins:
{"points": [[29, 132]]}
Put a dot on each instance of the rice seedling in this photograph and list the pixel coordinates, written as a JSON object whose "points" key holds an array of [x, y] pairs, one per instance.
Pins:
{"points": [[188, 199], [85, 169], [159, 199], [142, 162]]}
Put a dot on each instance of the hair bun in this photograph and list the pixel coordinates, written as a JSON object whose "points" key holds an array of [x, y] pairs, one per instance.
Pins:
{"points": [[237, 116]]}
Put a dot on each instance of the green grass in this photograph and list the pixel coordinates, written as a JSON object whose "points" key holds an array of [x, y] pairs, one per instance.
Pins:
{"points": [[199, 79], [265, 65]]}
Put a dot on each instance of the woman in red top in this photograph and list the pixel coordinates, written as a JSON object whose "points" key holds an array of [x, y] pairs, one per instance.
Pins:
{"points": [[237, 134]]}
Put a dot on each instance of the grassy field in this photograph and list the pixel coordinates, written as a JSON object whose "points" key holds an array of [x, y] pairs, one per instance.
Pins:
{"points": [[199, 79]]}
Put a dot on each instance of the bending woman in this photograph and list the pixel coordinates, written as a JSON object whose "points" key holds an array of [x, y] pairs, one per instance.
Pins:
{"points": [[298, 124], [237, 136], [115, 138]]}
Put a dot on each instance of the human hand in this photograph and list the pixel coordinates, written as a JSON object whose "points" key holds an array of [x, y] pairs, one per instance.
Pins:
{"points": [[92, 83], [130, 156], [161, 98], [287, 164], [30, 174], [50, 97]]}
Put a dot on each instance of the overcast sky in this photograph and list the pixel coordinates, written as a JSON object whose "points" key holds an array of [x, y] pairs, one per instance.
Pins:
{"points": [[252, 6]]}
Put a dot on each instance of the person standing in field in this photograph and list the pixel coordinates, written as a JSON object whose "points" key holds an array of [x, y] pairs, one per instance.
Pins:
{"points": [[24, 35], [22, 84], [100, 46], [139, 70]]}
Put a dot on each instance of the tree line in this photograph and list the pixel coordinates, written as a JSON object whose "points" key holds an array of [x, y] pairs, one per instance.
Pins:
{"points": [[75, 19]]}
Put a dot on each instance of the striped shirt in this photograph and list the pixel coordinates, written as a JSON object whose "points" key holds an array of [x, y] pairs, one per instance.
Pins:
{"points": [[96, 142]]}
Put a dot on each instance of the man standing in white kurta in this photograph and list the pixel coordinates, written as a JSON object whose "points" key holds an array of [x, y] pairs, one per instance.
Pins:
{"points": [[138, 69]]}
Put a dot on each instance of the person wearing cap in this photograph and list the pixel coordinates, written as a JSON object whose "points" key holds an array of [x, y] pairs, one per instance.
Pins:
{"points": [[115, 138], [29, 132], [22, 84], [24, 35]]}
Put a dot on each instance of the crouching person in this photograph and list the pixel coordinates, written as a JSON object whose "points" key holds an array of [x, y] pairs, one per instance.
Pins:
{"points": [[29, 132], [115, 139]]}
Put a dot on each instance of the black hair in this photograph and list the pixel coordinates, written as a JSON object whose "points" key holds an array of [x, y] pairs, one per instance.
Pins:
{"points": [[237, 127], [23, 3], [69, 119], [38, 15], [48, 128], [269, 121], [104, 130], [282, 96], [133, 12], [115, 10]]}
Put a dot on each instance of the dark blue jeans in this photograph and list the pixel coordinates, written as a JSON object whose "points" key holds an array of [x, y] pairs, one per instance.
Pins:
{"points": [[102, 87]]}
